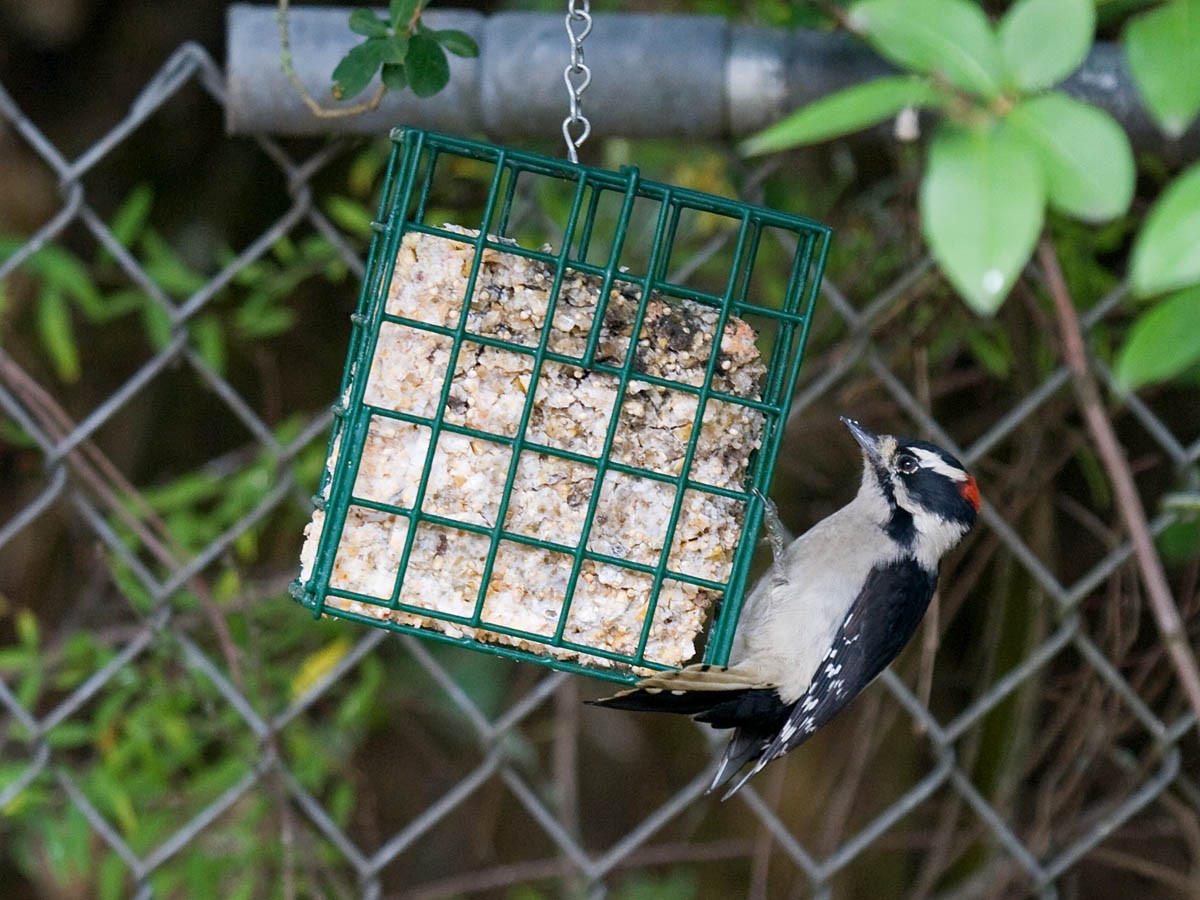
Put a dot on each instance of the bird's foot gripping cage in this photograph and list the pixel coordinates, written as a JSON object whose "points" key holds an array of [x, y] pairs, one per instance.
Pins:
{"points": [[553, 417]]}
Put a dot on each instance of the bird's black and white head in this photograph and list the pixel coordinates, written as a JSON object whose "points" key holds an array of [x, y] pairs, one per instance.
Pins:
{"points": [[925, 499]]}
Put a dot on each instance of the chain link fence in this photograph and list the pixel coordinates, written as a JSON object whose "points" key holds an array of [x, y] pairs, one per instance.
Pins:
{"points": [[174, 726]]}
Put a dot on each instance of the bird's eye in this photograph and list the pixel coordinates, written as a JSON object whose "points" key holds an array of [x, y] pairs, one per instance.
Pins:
{"points": [[907, 463]]}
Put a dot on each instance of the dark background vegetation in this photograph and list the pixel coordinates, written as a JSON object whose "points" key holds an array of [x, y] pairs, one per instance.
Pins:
{"points": [[159, 741]]}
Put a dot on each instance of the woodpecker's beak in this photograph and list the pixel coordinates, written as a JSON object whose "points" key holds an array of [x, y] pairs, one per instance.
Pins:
{"points": [[868, 441]]}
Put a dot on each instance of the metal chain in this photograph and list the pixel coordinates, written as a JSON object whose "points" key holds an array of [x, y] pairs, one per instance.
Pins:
{"points": [[576, 127]]}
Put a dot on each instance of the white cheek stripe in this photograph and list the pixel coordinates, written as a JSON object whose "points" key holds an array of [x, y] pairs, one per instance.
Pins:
{"points": [[934, 462]]}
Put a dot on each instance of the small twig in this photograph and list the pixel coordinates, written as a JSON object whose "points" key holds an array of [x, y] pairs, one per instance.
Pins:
{"points": [[314, 105], [930, 641], [565, 764], [764, 842], [862, 747], [1184, 818], [1148, 869], [511, 874], [1150, 568]]}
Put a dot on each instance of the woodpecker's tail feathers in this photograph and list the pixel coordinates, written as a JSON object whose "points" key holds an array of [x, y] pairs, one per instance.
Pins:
{"points": [[703, 677], [700, 677], [688, 703], [745, 745], [718, 695], [750, 773]]}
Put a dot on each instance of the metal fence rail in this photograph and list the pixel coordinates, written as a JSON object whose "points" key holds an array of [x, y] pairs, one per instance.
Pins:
{"points": [[527, 755]]}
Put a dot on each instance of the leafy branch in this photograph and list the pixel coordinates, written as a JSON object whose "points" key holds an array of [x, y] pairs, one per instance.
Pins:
{"points": [[1006, 146], [1166, 614], [400, 48]]}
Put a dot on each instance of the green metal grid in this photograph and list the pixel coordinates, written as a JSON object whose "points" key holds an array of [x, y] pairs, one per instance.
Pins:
{"points": [[593, 233]]}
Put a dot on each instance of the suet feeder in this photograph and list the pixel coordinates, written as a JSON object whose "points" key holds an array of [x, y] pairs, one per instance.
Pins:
{"points": [[554, 417]]}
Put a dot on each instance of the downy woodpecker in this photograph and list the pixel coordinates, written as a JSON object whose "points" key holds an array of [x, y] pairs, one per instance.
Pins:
{"points": [[837, 606]]}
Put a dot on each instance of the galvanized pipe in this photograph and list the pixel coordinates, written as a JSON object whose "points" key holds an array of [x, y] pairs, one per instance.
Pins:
{"points": [[654, 76]]}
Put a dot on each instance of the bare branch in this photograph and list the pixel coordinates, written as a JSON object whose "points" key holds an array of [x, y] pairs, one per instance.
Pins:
{"points": [[1112, 456]]}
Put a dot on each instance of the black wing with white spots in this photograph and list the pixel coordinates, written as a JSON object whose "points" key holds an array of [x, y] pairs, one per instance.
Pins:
{"points": [[867, 641]]}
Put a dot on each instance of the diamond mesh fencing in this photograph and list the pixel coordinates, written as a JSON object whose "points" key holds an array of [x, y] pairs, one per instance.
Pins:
{"points": [[173, 725]]}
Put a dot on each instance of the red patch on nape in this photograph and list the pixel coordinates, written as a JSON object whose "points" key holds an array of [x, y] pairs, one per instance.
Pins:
{"points": [[969, 491]]}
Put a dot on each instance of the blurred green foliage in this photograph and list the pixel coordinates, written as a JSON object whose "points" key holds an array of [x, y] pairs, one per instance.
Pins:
{"points": [[253, 307]]}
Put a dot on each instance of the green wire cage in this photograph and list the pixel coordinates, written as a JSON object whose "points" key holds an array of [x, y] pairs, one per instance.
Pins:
{"points": [[555, 418]]}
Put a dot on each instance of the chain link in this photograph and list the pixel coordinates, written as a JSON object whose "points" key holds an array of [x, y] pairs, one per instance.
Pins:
{"points": [[578, 76]]}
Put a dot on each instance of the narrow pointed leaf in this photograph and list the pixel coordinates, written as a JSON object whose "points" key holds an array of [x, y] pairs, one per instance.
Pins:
{"points": [[62, 270], [982, 205], [129, 220], [844, 112], [209, 341], [1163, 341], [1044, 41], [1166, 253], [53, 323], [1160, 48], [949, 38], [1085, 154]]}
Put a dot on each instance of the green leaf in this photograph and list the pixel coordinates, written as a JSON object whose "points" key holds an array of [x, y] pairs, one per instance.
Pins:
{"points": [[428, 68], [1163, 341], [13, 434], [991, 351], [394, 77], [1160, 48], [184, 492], [1179, 541], [457, 42], [53, 322], [168, 269], [948, 38], [397, 50], [130, 219], [1165, 253], [27, 628], [257, 318], [349, 214], [845, 112], [359, 66], [402, 12], [284, 250], [365, 22], [65, 272], [982, 203], [157, 324], [1085, 154], [70, 734], [317, 665], [1044, 41], [110, 877], [209, 341]]}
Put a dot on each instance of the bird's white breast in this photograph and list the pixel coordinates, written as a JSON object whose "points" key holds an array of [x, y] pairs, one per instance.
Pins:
{"points": [[787, 627]]}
